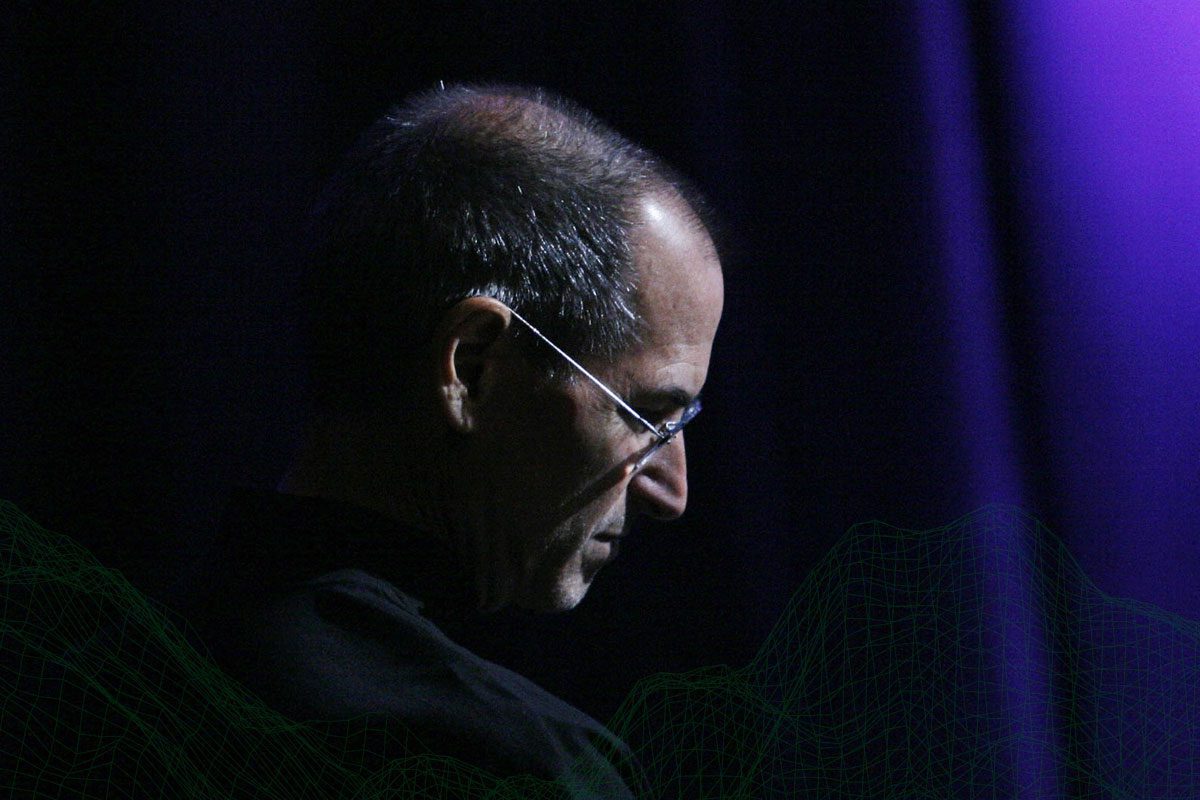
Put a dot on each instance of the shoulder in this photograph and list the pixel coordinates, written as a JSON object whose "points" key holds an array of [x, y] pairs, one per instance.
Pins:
{"points": [[348, 644]]}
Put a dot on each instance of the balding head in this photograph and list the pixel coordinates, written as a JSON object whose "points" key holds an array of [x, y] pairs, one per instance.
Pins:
{"points": [[456, 214], [500, 191]]}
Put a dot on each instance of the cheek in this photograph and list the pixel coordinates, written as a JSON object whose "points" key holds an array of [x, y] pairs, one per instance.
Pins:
{"points": [[600, 508], [590, 438], [570, 460], [535, 446]]}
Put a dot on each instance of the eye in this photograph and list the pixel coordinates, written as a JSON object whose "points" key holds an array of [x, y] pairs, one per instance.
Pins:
{"points": [[656, 415]]}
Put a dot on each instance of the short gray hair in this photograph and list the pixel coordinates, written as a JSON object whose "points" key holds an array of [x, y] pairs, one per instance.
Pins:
{"points": [[509, 192]]}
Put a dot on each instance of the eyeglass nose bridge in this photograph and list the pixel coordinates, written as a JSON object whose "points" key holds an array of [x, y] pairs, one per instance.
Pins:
{"points": [[666, 433]]}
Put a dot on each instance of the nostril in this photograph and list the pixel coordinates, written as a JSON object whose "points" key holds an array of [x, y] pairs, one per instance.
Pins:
{"points": [[660, 489]]}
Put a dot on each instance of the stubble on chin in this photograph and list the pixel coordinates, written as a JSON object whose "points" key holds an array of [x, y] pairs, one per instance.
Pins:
{"points": [[560, 574]]}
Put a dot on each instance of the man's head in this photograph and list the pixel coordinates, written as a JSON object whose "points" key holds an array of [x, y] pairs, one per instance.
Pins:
{"points": [[453, 211]]}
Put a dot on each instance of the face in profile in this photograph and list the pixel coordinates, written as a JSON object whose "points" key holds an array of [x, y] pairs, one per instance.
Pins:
{"points": [[559, 490]]}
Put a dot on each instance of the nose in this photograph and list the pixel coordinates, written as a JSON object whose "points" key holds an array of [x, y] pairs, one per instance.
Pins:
{"points": [[659, 489]]}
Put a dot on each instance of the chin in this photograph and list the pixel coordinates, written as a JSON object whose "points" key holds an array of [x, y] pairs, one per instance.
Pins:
{"points": [[564, 598], [560, 580], [562, 595]]}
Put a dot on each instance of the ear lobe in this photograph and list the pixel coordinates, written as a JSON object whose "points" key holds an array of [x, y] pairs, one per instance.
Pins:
{"points": [[470, 344]]}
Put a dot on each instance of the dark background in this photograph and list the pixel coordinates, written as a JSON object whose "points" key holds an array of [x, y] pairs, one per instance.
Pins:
{"points": [[891, 278]]}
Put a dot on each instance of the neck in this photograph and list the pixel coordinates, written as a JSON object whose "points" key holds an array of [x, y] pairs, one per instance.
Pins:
{"points": [[369, 461]]}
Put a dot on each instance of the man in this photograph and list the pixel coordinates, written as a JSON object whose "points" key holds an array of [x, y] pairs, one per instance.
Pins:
{"points": [[513, 312]]}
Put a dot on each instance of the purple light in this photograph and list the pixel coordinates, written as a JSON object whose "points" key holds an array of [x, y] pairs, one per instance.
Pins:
{"points": [[981, 380], [1107, 96]]}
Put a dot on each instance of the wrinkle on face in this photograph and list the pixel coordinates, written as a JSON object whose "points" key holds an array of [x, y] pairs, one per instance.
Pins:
{"points": [[579, 481]]}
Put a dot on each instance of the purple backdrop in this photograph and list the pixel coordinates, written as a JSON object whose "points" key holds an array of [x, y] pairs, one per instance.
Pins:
{"points": [[1106, 158]]}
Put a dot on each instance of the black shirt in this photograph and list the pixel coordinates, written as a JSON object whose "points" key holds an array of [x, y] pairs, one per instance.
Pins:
{"points": [[327, 611]]}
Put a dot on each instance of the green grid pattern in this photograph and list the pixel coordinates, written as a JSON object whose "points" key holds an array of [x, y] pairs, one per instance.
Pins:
{"points": [[891, 674]]}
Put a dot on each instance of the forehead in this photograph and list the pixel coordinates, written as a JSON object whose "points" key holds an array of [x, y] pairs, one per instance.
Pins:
{"points": [[680, 294], [680, 288]]}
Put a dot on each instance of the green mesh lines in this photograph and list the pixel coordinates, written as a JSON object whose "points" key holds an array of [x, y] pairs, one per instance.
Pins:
{"points": [[891, 675], [970, 661], [102, 696]]}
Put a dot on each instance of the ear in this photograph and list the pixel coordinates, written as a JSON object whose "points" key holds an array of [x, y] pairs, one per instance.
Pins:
{"points": [[470, 350]]}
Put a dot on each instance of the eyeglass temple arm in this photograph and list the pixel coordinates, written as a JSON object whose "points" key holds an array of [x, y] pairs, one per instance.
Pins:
{"points": [[599, 384]]}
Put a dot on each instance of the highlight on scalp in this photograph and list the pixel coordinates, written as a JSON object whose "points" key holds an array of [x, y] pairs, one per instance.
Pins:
{"points": [[509, 192]]}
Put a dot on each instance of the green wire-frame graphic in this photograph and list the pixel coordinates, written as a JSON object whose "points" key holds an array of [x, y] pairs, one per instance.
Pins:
{"points": [[973, 660]]}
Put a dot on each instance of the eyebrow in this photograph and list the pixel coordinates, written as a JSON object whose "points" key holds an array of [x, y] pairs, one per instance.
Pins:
{"points": [[675, 396]]}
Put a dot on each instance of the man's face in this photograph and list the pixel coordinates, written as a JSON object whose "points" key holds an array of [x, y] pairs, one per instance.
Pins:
{"points": [[562, 490]]}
